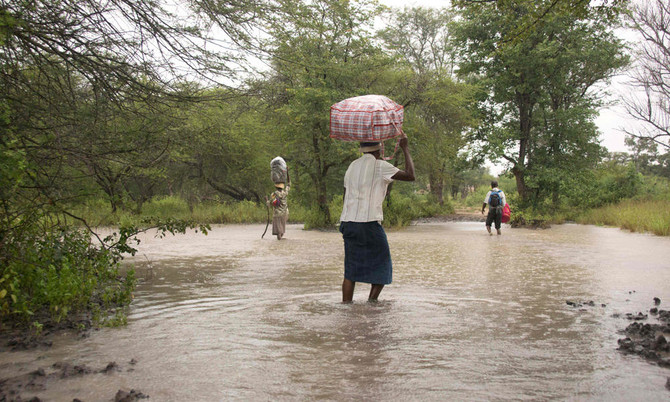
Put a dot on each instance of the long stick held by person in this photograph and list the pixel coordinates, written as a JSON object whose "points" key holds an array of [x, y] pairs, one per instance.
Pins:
{"points": [[279, 198]]}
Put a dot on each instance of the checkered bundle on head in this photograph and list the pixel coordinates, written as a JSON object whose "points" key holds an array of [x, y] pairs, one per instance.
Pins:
{"points": [[368, 118]]}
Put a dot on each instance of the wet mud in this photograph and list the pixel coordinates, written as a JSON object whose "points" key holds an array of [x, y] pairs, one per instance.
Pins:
{"points": [[21, 387], [649, 339]]}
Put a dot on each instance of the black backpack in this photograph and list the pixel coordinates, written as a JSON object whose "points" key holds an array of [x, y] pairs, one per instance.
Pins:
{"points": [[495, 199]]}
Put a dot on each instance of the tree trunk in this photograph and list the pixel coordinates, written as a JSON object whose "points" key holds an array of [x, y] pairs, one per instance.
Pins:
{"points": [[322, 198], [520, 183], [319, 177], [436, 188], [525, 105]]}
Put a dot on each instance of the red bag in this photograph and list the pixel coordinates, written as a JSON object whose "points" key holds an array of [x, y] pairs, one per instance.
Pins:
{"points": [[367, 118], [506, 213]]}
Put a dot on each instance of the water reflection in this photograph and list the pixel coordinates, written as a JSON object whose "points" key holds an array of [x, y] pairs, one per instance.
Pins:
{"points": [[231, 316]]}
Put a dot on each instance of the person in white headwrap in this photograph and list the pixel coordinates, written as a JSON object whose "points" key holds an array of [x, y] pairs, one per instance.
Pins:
{"points": [[279, 203]]}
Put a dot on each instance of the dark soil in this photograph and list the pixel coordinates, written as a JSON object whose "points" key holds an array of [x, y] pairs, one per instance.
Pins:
{"points": [[22, 336], [20, 388], [648, 340], [457, 217]]}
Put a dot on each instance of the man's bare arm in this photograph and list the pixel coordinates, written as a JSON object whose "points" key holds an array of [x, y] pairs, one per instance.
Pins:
{"points": [[408, 173]]}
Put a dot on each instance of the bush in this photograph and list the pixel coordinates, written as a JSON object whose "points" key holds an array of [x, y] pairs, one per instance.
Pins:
{"points": [[400, 210], [166, 207], [476, 199], [56, 273], [316, 219], [243, 212]]}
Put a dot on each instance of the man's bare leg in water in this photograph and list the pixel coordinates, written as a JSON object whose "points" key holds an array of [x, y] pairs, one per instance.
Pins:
{"points": [[375, 290], [348, 290]]}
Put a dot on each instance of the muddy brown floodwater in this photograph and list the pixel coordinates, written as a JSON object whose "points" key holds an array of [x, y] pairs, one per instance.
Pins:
{"points": [[229, 316]]}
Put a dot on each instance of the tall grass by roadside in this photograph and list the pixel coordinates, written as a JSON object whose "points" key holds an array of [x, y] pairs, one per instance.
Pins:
{"points": [[98, 212], [635, 215], [399, 211]]}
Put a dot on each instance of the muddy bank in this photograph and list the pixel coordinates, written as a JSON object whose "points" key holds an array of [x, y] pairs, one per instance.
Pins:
{"points": [[16, 337], [648, 340], [24, 387], [457, 217]]}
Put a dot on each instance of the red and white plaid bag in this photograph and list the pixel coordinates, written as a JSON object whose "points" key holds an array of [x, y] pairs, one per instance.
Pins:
{"points": [[367, 118]]}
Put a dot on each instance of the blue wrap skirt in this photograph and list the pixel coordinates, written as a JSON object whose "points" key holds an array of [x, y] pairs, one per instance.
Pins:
{"points": [[366, 253]]}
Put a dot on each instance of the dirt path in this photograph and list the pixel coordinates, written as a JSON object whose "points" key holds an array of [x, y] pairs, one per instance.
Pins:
{"points": [[459, 215]]}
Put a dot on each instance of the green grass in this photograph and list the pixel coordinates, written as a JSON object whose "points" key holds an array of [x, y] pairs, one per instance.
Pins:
{"points": [[400, 211], [635, 215], [98, 213]]}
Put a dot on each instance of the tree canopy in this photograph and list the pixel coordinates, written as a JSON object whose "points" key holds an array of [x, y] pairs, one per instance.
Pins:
{"points": [[540, 105]]}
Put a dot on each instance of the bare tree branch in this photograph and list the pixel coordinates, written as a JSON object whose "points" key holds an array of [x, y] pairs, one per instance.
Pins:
{"points": [[652, 75]]}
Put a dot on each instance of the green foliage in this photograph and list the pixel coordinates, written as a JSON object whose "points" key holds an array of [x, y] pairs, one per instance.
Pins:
{"points": [[605, 185], [58, 272], [400, 210], [322, 52], [538, 11], [505, 183], [476, 199], [244, 212], [118, 319], [98, 213], [438, 107], [539, 104], [164, 207], [315, 219]]}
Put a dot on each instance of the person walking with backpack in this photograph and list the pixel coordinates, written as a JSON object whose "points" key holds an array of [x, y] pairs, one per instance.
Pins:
{"points": [[495, 199]]}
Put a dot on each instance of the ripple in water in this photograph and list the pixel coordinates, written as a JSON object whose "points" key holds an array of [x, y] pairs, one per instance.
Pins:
{"points": [[468, 317]]}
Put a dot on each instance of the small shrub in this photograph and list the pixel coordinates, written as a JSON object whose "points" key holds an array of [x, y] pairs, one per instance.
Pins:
{"points": [[400, 210], [316, 219], [167, 207], [58, 272]]}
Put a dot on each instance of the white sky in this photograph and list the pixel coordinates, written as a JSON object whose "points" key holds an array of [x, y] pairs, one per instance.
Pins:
{"points": [[611, 119]]}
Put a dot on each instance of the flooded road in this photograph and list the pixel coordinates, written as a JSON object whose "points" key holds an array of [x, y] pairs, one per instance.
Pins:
{"points": [[468, 316]]}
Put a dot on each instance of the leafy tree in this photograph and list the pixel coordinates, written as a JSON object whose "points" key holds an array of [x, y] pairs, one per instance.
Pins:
{"points": [[436, 106], [82, 88], [646, 157], [421, 37], [539, 111], [540, 11], [226, 145], [321, 52]]}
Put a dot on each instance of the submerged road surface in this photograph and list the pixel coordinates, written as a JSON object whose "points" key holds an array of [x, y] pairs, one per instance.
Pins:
{"points": [[468, 316]]}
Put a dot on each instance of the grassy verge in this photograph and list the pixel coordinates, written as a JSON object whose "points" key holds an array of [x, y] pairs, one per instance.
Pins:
{"points": [[635, 215], [399, 210], [98, 213]]}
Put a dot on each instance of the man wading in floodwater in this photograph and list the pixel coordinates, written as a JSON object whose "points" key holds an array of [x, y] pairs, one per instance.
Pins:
{"points": [[495, 199], [366, 251]]}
